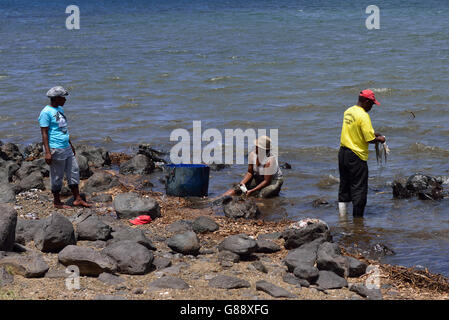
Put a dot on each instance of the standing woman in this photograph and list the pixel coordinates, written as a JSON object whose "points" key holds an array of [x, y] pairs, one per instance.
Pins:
{"points": [[264, 177]]}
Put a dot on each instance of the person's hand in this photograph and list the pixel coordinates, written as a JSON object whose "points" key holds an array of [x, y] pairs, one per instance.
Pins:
{"points": [[48, 158], [381, 139], [248, 193], [73, 149]]}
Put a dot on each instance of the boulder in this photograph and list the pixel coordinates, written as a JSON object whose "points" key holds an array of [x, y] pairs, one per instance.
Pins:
{"points": [[33, 151], [161, 262], [10, 151], [33, 181], [83, 164], [306, 272], [329, 280], [363, 291], [89, 261], [291, 279], [226, 255], [228, 282], [151, 153], [259, 266], [56, 233], [185, 243], [329, 258], [7, 194], [236, 207], [26, 229], [240, 244], [110, 279], [139, 164], [8, 221], [270, 236], [130, 205], [5, 277], [28, 266], [93, 229], [304, 231], [131, 234], [97, 157], [267, 246], [356, 268], [7, 170], [28, 167], [303, 256], [423, 186], [131, 257], [103, 197], [204, 224], [169, 282], [273, 290], [180, 226], [100, 181]]}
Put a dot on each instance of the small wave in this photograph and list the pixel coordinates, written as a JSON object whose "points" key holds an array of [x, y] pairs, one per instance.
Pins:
{"points": [[218, 78], [128, 105], [420, 148], [382, 90]]}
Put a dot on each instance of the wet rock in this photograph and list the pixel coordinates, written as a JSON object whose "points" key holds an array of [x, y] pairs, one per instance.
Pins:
{"points": [[8, 222], [273, 290], [329, 280], [267, 246], [7, 170], [5, 277], [26, 229], [131, 257], [97, 157], [28, 167], [151, 153], [423, 186], [329, 258], [226, 255], [259, 266], [7, 194], [319, 202], [139, 164], [236, 207], [400, 190], [56, 233], [169, 282], [304, 231], [83, 164], [204, 224], [218, 166], [110, 279], [10, 151], [33, 181], [33, 151], [286, 165], [28, 266], [103, 197], [161, 262], [240, 244], [89, 261], [93, 229], [420, 182], [228, 282], [130, 205], [180, 226], [131, 234], [185, 243], [303, 256], [363, 291], [379, 250], [356, 268], [306, 272], [100, 181]]}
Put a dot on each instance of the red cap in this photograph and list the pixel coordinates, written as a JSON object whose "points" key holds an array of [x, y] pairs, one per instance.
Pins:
{"points": [[141, 220], [369, 95]]}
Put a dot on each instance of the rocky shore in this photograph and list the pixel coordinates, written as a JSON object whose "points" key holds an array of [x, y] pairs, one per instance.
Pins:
{"points": [[183, 253]]}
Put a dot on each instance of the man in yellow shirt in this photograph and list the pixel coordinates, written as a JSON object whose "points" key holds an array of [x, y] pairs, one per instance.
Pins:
{"points": [[356, 133]]}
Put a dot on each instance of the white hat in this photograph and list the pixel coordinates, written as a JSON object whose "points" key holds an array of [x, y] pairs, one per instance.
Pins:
{"points": [[263, 142]]}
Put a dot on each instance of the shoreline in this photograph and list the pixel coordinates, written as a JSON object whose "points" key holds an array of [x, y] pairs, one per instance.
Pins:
{"points": [[396, 282]]}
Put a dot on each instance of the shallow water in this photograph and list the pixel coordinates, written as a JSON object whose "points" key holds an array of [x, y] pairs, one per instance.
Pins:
{"points": [[136, 70]]}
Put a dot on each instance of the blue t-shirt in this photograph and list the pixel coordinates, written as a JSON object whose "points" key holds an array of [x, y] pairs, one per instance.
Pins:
{"points": [[55, 120]]}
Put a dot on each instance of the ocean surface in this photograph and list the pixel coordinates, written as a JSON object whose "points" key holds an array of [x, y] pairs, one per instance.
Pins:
{"points": [[137, 70]]}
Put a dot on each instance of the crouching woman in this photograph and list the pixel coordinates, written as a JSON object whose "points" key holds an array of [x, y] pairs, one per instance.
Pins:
{"points": [[264, 177]]}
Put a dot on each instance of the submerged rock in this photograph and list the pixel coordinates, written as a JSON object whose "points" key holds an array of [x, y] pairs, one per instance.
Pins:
{"points": [[236, 207], [423, 186]]}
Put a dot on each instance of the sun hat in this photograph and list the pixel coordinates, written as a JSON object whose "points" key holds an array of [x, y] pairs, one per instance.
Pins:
{"points": [[369, 94], [57, 91], [141, 220], [263, 142]]}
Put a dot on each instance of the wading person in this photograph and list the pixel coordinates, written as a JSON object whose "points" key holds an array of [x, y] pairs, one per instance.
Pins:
{"points": [[356, 134], [59, 152], [264, 177]]}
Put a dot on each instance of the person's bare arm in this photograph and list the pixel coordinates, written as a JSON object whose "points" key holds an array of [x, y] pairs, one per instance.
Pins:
{"points": [[248, 176], [379, 138], [73, 148], [44, 132]]}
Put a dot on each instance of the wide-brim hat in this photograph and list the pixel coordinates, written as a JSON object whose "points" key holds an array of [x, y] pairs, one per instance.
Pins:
{"points": [[263, 142], [57, 91]]}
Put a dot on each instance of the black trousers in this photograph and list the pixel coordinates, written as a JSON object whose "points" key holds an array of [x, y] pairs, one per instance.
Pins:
{"points": [[353, 180]]}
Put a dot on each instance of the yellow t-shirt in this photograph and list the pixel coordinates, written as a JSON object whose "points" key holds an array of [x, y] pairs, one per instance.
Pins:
{"points": [[357, 131]]}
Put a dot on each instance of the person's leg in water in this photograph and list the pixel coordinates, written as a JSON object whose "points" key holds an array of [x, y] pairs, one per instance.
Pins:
{"points": [[56, 177], [359, 186], [72, 174], [344, 191]]}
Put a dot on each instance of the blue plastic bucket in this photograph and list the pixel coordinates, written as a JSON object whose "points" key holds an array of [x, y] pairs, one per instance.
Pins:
{"points": [[187, 180]]}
